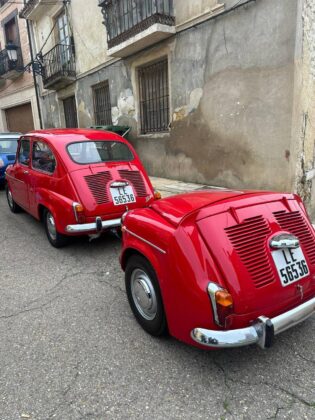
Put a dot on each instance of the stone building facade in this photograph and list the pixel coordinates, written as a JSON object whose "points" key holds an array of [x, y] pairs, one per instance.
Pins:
{"points": [[18, 106], [217, 92]]}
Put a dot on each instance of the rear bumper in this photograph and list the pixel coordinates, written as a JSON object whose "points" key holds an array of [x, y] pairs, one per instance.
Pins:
{"points": [[96, 226], [261, 332]]}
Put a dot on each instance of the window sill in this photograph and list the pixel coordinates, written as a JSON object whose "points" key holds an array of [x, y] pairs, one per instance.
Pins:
{"points": [[153, 136]]}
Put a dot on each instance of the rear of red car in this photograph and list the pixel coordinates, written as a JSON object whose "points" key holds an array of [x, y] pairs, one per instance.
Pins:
{"points": [[239, 267], [265, 252], [109, 179]]}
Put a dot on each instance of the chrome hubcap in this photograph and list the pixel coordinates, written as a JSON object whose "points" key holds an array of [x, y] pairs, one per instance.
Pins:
{"points": [[51, 226], [10, 198], [143, 294]]}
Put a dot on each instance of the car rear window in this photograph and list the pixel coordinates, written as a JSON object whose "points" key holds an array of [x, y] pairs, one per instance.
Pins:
{"points": [[99, 151], [8, 146]]}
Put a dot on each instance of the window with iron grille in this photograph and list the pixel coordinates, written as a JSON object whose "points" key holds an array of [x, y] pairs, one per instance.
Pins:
{"points": [[70, 110], [154, 97], [102, 105]]}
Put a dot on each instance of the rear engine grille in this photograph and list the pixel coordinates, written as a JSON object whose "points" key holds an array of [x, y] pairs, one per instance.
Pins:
{"points": [[248, 239], [294, 223], [136, 180], [97, 184]]}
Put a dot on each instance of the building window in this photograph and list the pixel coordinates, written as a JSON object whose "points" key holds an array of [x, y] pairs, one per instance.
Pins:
{"points": [[154, 97], [70, 110], [102, 105]]}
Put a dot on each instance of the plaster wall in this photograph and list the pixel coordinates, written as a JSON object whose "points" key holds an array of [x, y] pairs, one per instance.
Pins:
{"points": [[304, 106], [231, 100], [187, 10]]}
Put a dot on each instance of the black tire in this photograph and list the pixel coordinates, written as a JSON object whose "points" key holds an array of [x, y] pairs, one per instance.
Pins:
{"points": [[56, 239], [15, 208], [156, 325]]}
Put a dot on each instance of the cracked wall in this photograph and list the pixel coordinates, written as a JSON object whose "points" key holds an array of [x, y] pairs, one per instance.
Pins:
{"points": [[304, 106], [231, 100]]}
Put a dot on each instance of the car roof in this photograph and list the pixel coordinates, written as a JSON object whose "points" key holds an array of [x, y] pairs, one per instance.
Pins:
{"points": [[64, 136]]}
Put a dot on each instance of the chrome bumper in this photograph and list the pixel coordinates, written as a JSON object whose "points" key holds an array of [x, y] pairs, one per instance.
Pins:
{"points": [[261, 332], [98, 226]]}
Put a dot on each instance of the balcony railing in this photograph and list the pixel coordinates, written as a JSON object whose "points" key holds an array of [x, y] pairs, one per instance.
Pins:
{"points": [[59, 67], [126, 18], [10, 69]]}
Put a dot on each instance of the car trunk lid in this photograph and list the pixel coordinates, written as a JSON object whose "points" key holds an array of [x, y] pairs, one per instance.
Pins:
{"points": [[96, 184], [239, 240]]}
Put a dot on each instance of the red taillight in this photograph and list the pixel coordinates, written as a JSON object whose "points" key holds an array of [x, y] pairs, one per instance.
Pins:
{"points": [[222, 303], [157, 195], [78, 210]]}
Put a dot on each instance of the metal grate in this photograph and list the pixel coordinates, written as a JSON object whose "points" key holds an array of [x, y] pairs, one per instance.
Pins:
{"points": [[97, 184], [248, 239], [58, 63], [295, 224], [154, 97], [126, 18], [70, 110], [136, 179], [102, 105]]}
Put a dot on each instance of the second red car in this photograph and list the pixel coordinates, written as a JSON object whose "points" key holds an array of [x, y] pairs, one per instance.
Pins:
{"points": [[77, 181]]}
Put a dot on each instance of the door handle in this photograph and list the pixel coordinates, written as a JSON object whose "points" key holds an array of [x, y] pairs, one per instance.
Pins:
{"points": [[25, 172]]}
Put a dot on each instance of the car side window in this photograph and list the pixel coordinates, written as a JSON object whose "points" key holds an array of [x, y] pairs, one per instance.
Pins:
{"points": [[24, 152], [43, 158]]}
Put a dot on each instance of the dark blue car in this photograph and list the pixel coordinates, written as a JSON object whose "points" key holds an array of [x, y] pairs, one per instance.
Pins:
{"points": [[8, 146]]}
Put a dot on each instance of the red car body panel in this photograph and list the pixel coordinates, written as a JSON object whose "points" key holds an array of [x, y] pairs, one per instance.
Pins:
{"points": [[57, 192], [196, 233]]}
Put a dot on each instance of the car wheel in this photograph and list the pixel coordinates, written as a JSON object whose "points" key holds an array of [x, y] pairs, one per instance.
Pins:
{"points": [[55, 238], [144, 295], [12, 204]]}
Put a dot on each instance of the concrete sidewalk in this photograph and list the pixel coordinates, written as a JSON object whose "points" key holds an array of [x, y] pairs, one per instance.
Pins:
{"points": [[168, 187]]}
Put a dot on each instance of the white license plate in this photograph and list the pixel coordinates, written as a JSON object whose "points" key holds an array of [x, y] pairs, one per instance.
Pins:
{"points": [[291, 265], [122, 195]]}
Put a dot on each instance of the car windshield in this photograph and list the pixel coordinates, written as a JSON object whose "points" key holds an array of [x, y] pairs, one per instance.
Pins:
{"points": [[99, 151], [8, 146]]}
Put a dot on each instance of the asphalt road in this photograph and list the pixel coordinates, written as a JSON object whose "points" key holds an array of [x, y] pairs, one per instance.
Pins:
{"points": [[71, 349]]}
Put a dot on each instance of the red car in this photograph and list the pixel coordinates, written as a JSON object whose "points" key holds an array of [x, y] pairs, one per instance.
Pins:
{"points": [[220, 268], [76, 181]]}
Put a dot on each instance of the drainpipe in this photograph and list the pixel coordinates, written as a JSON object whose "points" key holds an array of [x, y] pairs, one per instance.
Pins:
{"points": [[34, 76]]}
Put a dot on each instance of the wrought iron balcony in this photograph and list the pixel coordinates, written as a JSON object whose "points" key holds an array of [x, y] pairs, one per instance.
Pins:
{"points": [[133, 25], [11, 69], [59, 67]]}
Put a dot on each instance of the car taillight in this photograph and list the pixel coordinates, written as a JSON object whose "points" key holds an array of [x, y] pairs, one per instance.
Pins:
{"points": [[221, 301], [157, 195], [78, 212]]}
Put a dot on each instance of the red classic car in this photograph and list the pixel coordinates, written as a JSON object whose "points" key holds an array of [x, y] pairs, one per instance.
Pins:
{"points": [[77, 181], [220, 268]]}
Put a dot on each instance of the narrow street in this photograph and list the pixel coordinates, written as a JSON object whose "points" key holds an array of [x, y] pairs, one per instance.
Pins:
{"points": [[71, 349]]}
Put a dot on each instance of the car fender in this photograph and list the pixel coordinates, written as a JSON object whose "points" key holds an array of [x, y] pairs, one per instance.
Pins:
{"points": [[59, 205]]}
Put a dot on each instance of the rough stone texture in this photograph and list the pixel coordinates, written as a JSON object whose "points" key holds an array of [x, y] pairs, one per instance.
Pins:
{"points": [[304, 104]]}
